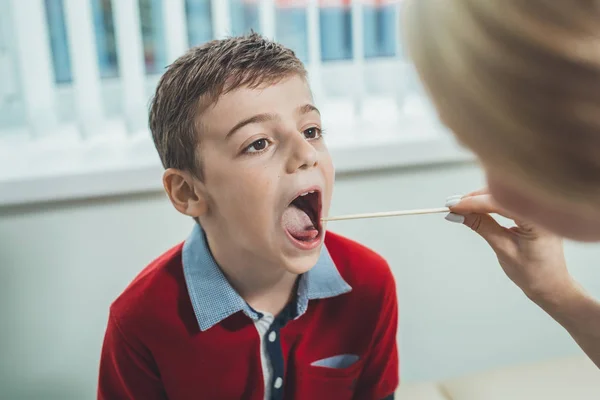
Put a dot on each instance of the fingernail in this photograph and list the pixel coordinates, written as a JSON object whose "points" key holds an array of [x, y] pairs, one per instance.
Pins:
{"points": [[452, 201], [456, 196], [458, 219]]}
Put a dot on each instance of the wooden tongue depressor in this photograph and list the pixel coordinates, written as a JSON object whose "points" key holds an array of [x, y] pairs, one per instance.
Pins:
{"points": [[388, 214]]}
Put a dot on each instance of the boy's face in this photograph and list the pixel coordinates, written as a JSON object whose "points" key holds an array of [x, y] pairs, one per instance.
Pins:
{"points": [[262, 152]]}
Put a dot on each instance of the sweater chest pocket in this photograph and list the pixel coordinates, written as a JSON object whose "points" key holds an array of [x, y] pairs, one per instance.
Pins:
{"points": [[317, 382]]}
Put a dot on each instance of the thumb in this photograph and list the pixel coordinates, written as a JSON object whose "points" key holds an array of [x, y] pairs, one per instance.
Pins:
{"points": [[498, 237]]}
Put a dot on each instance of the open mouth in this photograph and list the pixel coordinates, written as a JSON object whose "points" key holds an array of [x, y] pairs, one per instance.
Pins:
{"points": [[302, 218]]}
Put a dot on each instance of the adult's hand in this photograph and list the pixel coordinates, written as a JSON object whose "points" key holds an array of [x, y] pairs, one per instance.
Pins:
{"points": [[534, 259], [531, 257]]}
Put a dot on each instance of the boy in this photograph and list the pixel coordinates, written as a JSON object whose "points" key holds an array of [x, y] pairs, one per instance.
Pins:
{"points": [[251, 305]]}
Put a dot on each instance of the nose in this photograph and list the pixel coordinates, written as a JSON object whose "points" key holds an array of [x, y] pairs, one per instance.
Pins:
{"points": [[302, 154]]}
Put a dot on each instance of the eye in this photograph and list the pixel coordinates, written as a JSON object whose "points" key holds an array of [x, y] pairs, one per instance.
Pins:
{"points": [[312, 133], [257, 146]]}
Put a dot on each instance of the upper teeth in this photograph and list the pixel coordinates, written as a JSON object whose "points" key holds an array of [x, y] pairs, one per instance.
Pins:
{"points": [[304, 194]]}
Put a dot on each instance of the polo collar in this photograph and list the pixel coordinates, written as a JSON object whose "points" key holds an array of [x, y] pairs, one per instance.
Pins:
{"points": [[214, 299]]}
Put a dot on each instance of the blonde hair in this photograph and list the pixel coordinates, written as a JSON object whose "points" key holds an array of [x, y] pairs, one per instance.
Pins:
{"points": [[518, 81]]}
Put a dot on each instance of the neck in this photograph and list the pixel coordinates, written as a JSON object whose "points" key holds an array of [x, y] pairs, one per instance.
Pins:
{"points": [[264, 287]]}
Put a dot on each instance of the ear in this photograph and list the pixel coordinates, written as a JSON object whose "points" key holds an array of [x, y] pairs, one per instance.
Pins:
{"points": [[185, 192]]}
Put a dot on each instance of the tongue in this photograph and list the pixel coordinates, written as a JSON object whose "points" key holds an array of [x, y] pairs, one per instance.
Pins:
{"points": [[298, 224]]}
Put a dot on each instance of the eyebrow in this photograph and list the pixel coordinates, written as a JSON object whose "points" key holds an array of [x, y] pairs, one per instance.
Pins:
{"points": [[256, 119], [305, 109], [266, 117]]}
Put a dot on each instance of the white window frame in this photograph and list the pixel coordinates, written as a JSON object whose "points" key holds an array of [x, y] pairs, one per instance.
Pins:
{"points": [[65, 166]]}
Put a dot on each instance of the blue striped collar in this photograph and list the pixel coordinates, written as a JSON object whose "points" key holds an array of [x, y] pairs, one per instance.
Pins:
{"points": [[213, 298]]}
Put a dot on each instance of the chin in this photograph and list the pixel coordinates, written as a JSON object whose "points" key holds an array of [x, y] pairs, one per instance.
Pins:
{"points": [[580, 231], [568, 222], [303, 263]]}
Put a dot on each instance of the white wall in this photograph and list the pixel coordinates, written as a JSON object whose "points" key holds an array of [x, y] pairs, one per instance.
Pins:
{"points": [[61, 265]]}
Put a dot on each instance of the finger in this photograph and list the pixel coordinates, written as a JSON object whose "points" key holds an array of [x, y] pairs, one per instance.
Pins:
{"points": [[479, 204], [499, 238], [479, 192], [461, 196]]}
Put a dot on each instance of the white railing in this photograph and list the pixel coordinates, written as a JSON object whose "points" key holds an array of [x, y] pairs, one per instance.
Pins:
{"points": [[33, 56], [35, 68], [86, 73], [131, 67], [395, 113], [175, 28]]}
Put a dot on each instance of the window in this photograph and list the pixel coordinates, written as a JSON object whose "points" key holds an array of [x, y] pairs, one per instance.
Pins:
{"points": [[199, 21], [291, 29], [244, 16], [335, 19], [105, 38], [380, 19], [153, 36], [76, 77]]}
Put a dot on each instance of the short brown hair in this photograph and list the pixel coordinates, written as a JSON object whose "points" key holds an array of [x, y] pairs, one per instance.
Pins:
{"points": [[197, 79]]}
